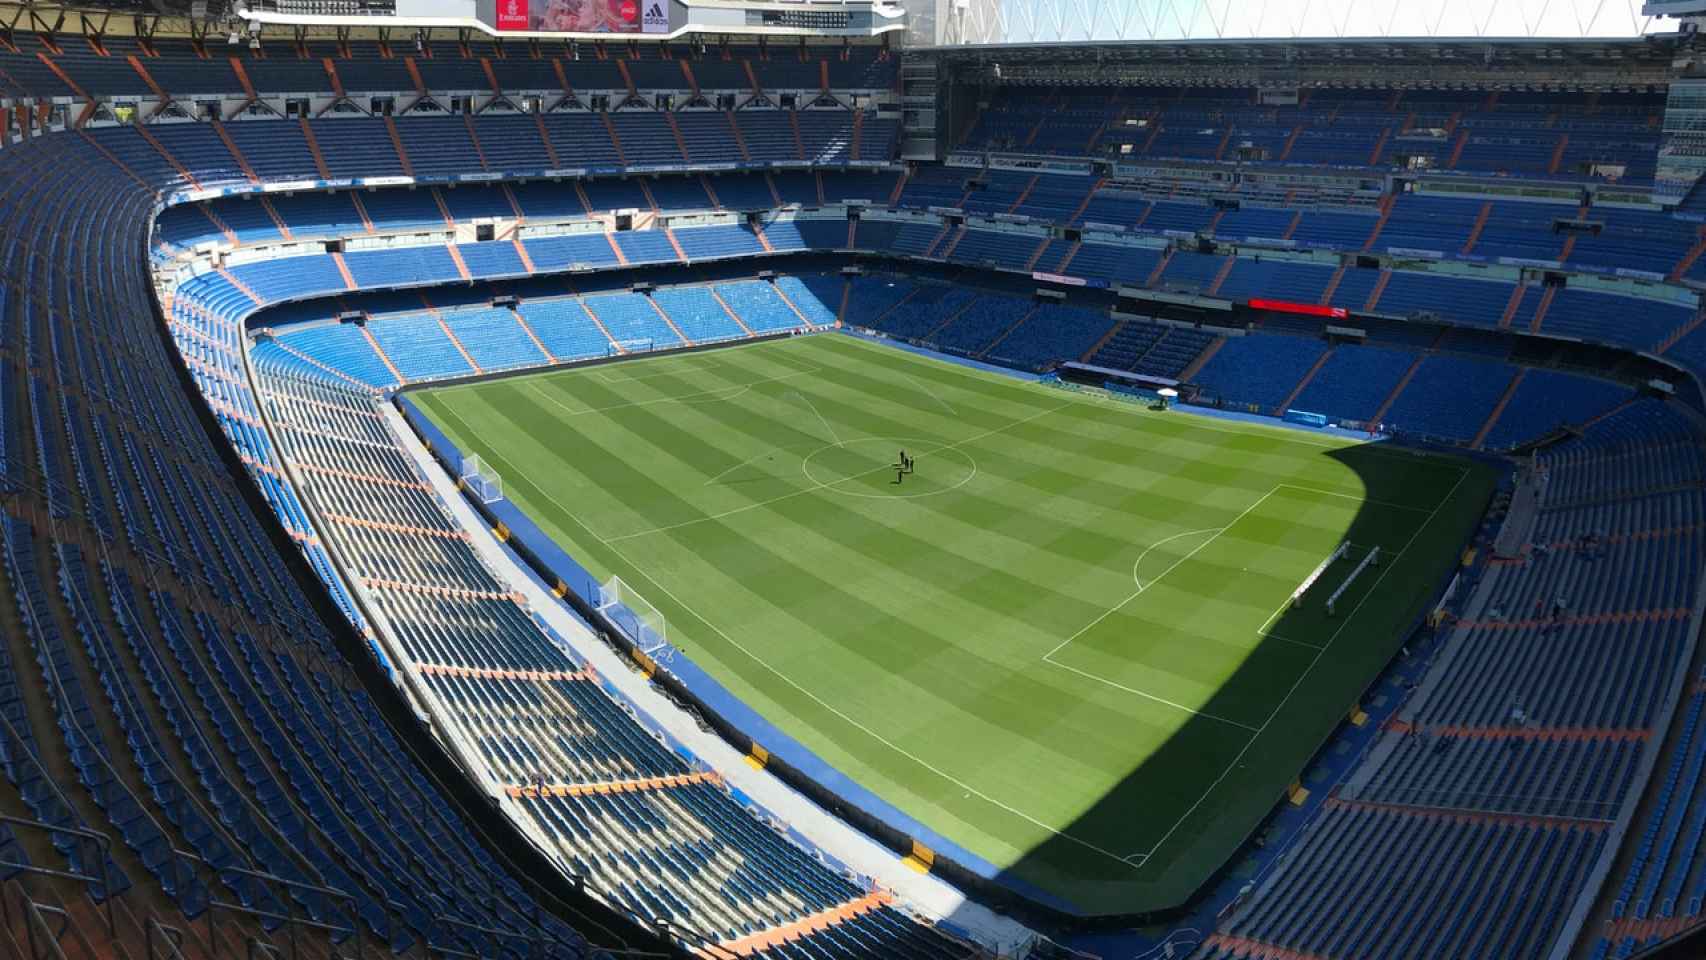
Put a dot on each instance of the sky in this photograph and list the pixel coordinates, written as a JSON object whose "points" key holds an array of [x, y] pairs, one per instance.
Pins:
{"points": [[1043, 20]]}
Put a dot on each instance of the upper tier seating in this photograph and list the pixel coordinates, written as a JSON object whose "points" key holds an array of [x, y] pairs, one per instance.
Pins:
{"points": [[1545, 135], [361, 67]]}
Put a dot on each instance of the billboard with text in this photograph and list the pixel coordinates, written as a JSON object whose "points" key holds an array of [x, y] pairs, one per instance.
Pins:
{"points": [[512, 15], [584, 16]]}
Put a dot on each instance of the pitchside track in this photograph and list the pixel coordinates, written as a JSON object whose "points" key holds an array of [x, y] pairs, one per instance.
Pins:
{"points": [[1064, 640]]}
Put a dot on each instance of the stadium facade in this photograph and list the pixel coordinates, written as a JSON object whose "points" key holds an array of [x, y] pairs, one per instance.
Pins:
{"points": [[286, 671]]}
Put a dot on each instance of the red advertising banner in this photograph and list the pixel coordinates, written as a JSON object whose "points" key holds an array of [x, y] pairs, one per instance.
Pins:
{"points": [[512, 15], [1304, 309]]}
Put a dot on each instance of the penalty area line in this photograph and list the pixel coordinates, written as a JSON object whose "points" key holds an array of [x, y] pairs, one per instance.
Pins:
{"points": [[1388, 504], [1152, 697], [1141, 586], [1296, 685]]}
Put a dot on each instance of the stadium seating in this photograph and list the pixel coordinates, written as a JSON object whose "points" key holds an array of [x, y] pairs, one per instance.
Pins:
{"points": [[1448, 397], [1354, 382], [217, 679], [1502, 136], [1260, 371], [229, 733]]}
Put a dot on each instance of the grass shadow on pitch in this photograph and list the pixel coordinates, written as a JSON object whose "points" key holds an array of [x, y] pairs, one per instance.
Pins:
{"points": [[1177, 821]]}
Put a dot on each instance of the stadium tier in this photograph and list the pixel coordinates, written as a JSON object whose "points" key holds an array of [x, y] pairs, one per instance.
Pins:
{"points": [[276, 676]]}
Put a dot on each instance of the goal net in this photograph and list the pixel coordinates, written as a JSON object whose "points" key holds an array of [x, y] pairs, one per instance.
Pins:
{"points": [[635, 616], [481, 480], [1371, 560], [620, 347]]}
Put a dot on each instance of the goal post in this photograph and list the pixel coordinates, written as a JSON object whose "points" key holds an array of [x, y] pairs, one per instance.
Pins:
{"points": [[642, 623], [638, 345], [481, 480], [1314, 575], [1372, 560]]}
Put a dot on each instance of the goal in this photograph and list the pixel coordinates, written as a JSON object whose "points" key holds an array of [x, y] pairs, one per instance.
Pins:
{"points": [[481, 480], [1372, 560], [619, 347], [1316, 574], [642, 623]]}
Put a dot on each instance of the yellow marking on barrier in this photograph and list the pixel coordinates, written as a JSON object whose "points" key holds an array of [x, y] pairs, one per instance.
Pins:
{"points": [[758, 758], [921, 859], [1297, 793], [1358, 718], [501, 531]]}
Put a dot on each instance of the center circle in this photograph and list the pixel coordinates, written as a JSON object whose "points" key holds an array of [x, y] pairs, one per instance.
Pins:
{"points": [[869, 467]]}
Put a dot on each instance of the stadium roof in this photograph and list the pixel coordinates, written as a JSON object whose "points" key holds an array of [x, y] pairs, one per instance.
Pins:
{"points": [[1045, 21]]}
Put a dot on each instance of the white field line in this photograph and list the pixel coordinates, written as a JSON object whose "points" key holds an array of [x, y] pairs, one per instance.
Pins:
{"points": [[1407, 508], [1141, 587], [1295, 643], [560, 405], [748, 460], [825, 486], [836, 437], [1309, 669], [1153, 698], [843, 715], [1284, 605], [931, 393]]}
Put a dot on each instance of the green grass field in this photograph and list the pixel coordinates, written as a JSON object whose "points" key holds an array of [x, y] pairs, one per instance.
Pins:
{"points": [[1064, 642]]}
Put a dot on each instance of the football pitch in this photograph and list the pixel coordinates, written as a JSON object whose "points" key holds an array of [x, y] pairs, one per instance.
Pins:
{"points": [[1065, 640]]}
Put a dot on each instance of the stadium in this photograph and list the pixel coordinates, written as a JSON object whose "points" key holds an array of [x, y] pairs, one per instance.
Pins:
{"points": [[844, 479]]}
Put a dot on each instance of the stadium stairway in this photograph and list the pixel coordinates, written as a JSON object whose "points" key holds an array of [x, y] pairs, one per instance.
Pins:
{"points": [[1303, 384], [1498, 410]]}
